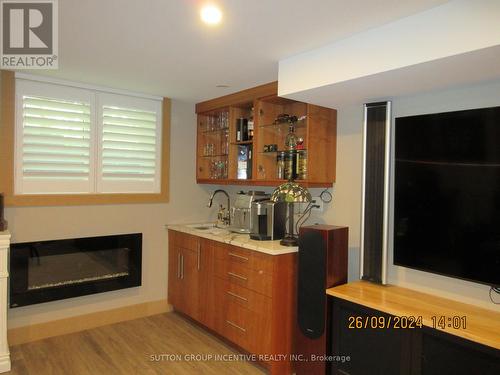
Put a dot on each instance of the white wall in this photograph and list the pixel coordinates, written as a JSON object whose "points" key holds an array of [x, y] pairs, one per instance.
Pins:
{"points": [[453, 28], [187, 202], [345, 209]]}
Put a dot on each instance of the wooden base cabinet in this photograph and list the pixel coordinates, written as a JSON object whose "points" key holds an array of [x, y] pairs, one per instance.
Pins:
{"points": [[397, 351], [245, 296]]}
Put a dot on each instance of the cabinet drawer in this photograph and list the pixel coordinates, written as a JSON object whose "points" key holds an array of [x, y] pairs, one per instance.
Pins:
{"points": [[227, 292], [241, 275], [184, 240], [245, 328], [249, 258]]}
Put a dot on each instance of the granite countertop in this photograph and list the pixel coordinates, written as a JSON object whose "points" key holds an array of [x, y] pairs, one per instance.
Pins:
{"points": [[236, 239]]}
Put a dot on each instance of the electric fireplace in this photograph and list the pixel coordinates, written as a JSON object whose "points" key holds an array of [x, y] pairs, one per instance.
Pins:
{"points": [[51, 270]]}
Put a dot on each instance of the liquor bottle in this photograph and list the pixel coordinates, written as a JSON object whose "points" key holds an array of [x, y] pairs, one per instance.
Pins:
{"points": [[250, 126], [291, 139]]}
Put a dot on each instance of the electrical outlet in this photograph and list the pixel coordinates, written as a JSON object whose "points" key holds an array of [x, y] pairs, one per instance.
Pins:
{"points": [[318, 202]]}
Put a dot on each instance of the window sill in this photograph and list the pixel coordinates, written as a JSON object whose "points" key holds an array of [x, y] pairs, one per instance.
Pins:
{"points": [[83, 199]]}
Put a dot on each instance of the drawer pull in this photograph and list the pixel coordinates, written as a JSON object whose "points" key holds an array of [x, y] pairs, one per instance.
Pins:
{"points": [[235, 326], [237, 296], [237, 276], [198, 256], [238, 256]]}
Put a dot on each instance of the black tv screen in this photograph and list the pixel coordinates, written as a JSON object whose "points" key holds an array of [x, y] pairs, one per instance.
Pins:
{"points": [[447, 194]]}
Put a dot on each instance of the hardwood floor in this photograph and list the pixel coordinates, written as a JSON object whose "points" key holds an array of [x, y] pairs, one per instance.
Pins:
{"points": [[154, 345]]}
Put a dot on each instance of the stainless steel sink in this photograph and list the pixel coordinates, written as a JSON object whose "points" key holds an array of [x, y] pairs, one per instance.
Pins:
{"points": [[202, 227], [209, 228]]}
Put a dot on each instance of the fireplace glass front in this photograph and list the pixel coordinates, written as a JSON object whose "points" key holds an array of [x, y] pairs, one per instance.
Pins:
{"points": [[51, 270]]}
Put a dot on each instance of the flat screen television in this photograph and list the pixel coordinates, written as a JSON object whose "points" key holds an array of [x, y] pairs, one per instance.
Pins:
{"points": [[447, 194]]}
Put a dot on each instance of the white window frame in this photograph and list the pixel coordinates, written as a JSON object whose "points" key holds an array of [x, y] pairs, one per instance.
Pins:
{"points": [[27, 84]]}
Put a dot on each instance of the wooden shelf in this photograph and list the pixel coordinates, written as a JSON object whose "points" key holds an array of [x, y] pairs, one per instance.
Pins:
{"points": [[242, 143], [255, 182], [283, 125], [482, 325], [215, 156]]}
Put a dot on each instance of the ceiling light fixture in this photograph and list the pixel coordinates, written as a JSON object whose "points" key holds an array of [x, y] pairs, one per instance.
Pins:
{"points": [[211, 14]]}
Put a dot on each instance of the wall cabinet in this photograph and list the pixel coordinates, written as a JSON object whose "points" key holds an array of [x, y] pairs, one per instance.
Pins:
{"points": [[245, 296], [221, 150]]}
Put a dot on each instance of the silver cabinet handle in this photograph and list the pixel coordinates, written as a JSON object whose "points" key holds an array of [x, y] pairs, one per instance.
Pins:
{"points": [[182, 267], [237, 276], [178, 265], [237, 296], [198, 266], [238, 256], [235, 326]]}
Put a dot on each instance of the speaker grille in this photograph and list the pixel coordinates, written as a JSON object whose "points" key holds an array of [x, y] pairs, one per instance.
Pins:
{"points": [[374, 191], [311, 281]]}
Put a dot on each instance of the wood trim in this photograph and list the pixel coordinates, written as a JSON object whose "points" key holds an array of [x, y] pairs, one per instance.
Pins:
{"points": [[7, 125], [79, 323], [239, 97], [165, 151], [255, 182], [7, 116], [482, 324]]}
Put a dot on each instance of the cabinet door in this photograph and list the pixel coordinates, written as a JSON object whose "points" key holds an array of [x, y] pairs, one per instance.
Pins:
{"points": [[374, 351], [443, 354], [189, 285], [183, 273], [174, 264], [205, 280]]}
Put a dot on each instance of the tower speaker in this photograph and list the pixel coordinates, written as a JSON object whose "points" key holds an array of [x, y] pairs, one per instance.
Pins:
{"points": [[375, 196], [322, 264]]}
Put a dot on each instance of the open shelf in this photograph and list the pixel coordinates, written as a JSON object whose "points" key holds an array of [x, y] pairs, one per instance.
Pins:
{"points": [[283, 125], [215, 156]]}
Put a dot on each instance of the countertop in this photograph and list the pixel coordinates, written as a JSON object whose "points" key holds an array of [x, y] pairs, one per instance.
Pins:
{"points": [[236, 239]]}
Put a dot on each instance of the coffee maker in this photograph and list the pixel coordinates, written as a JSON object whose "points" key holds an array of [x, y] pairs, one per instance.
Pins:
{"points": [[240, 212], [268, 220]]}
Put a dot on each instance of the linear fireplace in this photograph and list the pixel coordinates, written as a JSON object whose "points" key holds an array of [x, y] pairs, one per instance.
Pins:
{"points": [[51, 270]]}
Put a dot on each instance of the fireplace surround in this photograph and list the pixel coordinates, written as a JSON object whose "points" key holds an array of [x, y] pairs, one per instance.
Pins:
{"points": [[45, 271]]}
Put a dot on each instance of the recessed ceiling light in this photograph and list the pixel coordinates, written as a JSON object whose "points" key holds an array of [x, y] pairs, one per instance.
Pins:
{"points": [[211, 14], [223, 86]]}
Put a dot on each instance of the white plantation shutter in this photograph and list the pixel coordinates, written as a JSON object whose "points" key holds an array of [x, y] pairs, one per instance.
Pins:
{"points": [[77, 140], [131, 144], [53, 140]]}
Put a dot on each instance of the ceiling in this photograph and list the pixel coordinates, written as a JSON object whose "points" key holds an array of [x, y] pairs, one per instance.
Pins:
{"points": [[161, 47]]}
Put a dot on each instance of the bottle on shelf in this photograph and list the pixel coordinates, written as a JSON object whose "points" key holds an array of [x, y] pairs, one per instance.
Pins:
{"points": [[241, 129], [301, 165], [291, 139], [250, 125]]}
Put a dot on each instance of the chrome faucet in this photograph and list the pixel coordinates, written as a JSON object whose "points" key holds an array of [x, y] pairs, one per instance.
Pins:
{"points": [[224, 217]]}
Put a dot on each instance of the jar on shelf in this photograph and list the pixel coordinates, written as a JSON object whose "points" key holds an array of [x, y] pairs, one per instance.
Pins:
{"points": [[301, 165], [288, 170]]}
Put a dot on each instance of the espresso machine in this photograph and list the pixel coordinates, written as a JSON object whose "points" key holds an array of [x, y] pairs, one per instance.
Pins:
{"points": [[240, 212], [268, 220]]}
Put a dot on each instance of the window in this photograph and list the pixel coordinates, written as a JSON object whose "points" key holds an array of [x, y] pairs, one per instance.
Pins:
{"points": [[73, 140]]}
